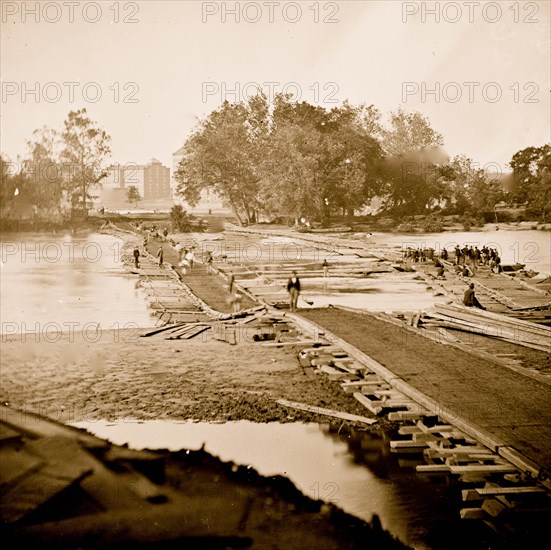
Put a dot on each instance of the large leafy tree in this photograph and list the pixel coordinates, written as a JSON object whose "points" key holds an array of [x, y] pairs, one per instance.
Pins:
{"points": [[467, 188], [44, 173], [288, 184], [413, 155], [531, 170], [15, 195], [321, 161], [224, 154], [409, 132], [85, 147]]}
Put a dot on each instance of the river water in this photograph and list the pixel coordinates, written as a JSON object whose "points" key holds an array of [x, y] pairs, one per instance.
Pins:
{"points": [[77, 280], [63, 282], [387, 293], [352, 469]]}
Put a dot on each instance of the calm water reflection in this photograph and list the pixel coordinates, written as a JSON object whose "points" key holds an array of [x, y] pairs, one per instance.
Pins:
{"points": [[67, 281]]}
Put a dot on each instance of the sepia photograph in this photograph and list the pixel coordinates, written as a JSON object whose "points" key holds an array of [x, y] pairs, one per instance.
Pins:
{"points": [[275, 274]]}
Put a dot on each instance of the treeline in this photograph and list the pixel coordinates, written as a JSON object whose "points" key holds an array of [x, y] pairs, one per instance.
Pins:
{"points": [[284, 160], [297, 160], [53, 182]]}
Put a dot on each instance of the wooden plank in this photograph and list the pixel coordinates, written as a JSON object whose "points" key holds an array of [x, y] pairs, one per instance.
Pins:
{"points": [[365, 389], [484, 469], [450, 323], [371, 379], [492, 491], [407, 444], [400, 416], [436, 428], [335, 374], [349, 366], [472, 513], [57, 473], [7, 434], [325, 412], [441, 452], [468, 495], [188, 334], [162, 329], [494, 320], [297, 343], [367, 403], [432, 468], [388, 393], [493, 507]]}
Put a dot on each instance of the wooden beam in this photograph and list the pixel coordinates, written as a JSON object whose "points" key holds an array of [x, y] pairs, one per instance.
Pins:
{"points": [[492, 491], [367, 403], [432, 468], [326, 412], [483, 469], [473, 513]]}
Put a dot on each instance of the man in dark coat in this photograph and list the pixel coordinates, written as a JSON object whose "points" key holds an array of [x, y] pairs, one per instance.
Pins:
{"points": [[293, 288]]}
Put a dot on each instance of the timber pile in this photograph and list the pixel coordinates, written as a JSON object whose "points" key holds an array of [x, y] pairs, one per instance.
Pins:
{"points": [[251, 325], [516, 331]]}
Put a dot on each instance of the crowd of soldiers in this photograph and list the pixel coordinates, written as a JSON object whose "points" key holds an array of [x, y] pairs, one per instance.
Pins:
{"points": [[466, 257]]}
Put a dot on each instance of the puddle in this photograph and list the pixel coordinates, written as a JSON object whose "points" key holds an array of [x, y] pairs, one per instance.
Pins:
{"points": [[353, 470]]}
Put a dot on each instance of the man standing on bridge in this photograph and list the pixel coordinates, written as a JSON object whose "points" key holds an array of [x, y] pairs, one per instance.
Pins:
{"points": [[160, 256], [293, 288]]}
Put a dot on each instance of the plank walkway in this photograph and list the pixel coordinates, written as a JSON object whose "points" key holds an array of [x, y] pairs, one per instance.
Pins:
{"points": [[501, 404]]}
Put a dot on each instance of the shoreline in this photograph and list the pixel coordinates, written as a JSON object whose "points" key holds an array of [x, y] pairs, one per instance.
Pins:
{"points": [[99, 224]]}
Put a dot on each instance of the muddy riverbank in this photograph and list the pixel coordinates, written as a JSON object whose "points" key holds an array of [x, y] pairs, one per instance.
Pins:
{"points": [[123, 375]]}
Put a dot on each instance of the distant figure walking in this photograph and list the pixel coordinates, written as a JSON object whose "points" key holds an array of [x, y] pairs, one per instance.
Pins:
{"points": [[236, 302], [209, 261], [136, 257], [160, 256], [184, 264], [190, 257], [470, 300], [293, 288], [325, 266]]}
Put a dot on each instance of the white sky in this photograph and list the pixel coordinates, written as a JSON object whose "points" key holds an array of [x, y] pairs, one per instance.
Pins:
{"points": [[368, 54]]}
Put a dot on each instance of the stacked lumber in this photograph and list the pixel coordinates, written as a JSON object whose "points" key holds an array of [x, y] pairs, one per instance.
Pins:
{"points": [[516, 331]]}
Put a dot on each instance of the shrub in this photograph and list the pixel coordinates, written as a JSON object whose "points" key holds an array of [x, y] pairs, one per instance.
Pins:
{"points": [[470, 221], [406, 227], [180, 220], [433, 224]]}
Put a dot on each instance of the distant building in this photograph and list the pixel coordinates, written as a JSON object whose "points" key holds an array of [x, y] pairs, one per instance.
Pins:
{"points": [[209, 199], [156, 180], [152, 180]]}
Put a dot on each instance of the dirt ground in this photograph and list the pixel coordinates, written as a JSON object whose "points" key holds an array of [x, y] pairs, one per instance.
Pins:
{"points": [[124, 375]]}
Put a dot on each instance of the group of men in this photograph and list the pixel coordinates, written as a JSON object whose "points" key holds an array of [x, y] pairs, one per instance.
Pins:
{"points": [[473, 257]]}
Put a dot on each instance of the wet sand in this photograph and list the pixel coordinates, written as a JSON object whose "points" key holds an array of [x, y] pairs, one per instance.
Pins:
{"points": [[123, 375]]}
